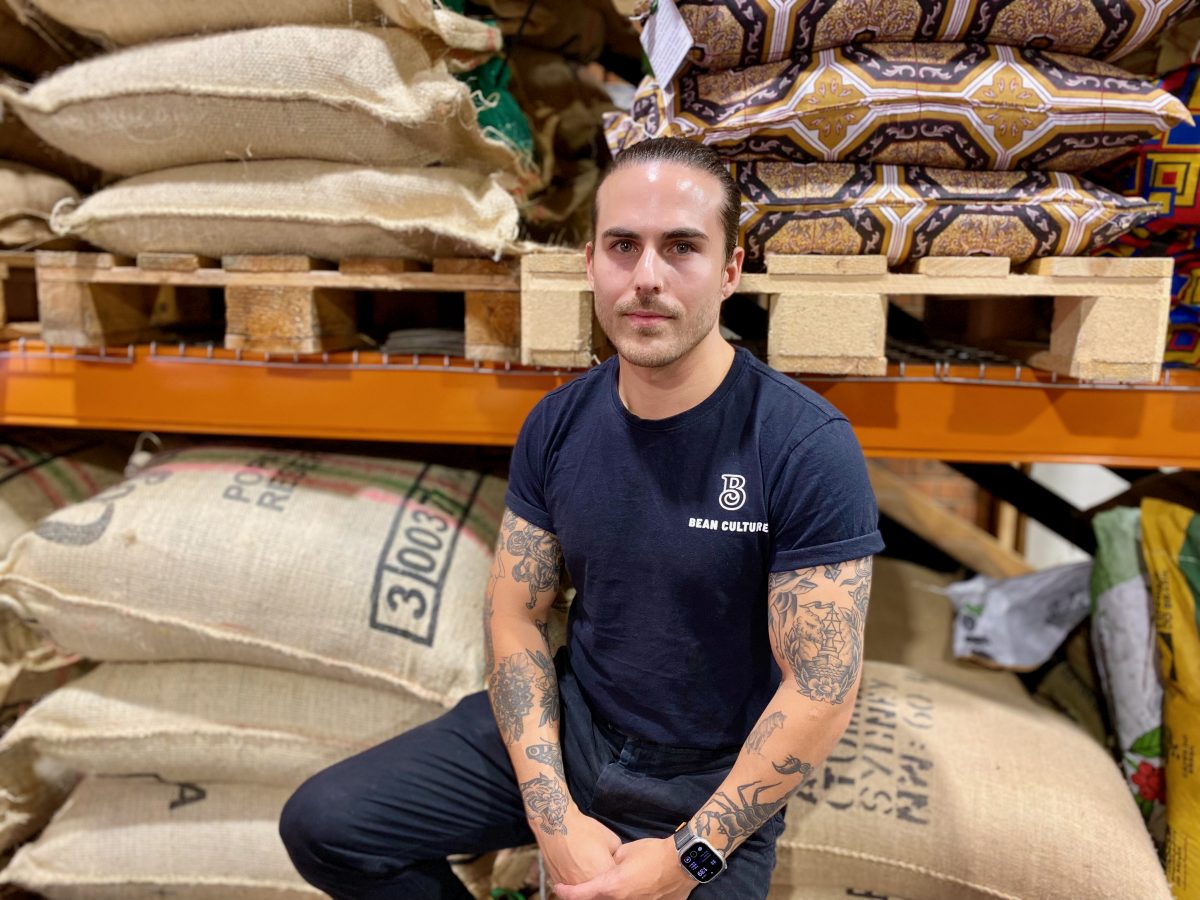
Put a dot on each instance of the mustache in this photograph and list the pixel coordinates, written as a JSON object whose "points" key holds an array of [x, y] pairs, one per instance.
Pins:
{"points": [[646, 303]]}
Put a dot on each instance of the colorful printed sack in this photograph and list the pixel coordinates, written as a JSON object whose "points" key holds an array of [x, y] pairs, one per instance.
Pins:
{"points": [[1171, 546], [1123, 643], [907, 212], [729, 33], [965, 106], [1165, 169]]}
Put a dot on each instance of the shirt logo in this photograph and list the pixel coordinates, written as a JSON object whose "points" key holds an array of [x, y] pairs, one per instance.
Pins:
{"points": [[733, 494]]}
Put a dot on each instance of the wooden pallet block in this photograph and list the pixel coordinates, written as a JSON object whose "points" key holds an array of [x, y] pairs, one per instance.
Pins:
{"points": [[492, 318], [77, 312], [556, 310], [285, 318]]}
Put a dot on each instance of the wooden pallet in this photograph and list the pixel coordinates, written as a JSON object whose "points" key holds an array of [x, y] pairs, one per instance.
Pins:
{"points": [[828, 314], [284, 304]]}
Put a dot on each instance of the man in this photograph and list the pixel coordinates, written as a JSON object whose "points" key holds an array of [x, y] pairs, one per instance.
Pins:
{"points": [[717, 522]]}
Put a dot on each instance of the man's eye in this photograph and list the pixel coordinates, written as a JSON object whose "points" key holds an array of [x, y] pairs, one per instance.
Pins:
{"points": [[624, 246], [683, 248]]}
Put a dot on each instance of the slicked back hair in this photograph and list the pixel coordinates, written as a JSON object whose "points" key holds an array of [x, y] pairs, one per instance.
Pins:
{"points": [[685, 153]]}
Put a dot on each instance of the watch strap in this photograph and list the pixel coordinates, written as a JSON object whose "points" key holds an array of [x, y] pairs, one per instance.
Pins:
{"points": [[683, 836]]}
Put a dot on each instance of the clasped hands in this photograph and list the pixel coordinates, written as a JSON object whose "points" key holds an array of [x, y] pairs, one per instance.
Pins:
{"points": [[591, 863]]}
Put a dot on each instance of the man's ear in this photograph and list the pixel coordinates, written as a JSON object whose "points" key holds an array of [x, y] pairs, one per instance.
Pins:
{"points": [[588, 250], [732, 276]]}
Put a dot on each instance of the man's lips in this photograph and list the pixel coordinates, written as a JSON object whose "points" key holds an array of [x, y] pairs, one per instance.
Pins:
{"points": [[642, 317]]}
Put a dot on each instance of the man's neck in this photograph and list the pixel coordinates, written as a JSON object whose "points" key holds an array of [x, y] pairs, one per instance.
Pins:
{"points": [[659, 393]]}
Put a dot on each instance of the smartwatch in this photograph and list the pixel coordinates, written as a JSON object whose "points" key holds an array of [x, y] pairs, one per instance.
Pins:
{"points": [[697, 857]]}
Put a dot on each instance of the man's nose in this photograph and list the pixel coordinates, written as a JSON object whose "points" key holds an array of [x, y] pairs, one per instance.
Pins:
{"points": [[648, 278]]}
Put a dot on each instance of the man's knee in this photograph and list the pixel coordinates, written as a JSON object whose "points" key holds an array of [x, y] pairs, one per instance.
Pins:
{"points": [[315, 824]]}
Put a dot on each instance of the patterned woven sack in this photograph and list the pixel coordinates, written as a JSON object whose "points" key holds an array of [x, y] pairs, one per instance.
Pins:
{"points": [[369, 96], [139, 838], [968, 106], [27, 197], [359, 568], [192, 722], [907, 212], [729, 33], [311, 208], [119, 23]]}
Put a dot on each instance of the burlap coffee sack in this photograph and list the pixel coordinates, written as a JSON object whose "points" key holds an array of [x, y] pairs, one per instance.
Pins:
{"points": [[321, 209], [728, 33], [369, 96], [123, 22], [358, 568], [962, 106], [133, 838], [27, 197], [909, 212], [940, 793], [42, 471], [19, 144], [194, 722]]}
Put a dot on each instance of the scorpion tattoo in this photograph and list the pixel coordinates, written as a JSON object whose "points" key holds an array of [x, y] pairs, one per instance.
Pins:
{"points": [[739, 819]]}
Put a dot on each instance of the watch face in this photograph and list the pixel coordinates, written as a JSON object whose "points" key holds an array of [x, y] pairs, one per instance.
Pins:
{"points": [[702, 862]]}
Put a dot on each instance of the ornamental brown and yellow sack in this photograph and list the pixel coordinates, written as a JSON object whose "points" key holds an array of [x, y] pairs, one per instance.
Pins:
{"points": [[368, 96], [964, 106], [322, 209], [141, 837], [364, 569], [908, 212], [729, 33], [939, 793]]}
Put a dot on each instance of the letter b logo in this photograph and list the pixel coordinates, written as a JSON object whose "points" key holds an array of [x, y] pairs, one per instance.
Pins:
{"points": [[733, 493]]}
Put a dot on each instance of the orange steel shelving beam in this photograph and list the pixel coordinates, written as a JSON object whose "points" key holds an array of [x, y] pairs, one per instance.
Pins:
{"points": [[955, 413]]}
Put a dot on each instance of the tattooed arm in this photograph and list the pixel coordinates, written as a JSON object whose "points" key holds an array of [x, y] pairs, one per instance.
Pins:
{"points": [[816, 619], [523, 689]]}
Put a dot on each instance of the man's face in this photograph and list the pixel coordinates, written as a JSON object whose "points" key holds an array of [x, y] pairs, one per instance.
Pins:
{"points": [[657, 266]]}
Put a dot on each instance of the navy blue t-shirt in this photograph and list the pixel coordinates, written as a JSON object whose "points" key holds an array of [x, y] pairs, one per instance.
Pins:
{"points": [[669, 528]]}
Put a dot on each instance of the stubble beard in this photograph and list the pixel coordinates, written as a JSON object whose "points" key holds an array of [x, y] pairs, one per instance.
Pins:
{"points": [[682, 340]]}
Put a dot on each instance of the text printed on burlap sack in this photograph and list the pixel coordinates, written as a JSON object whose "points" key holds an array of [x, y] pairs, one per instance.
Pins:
{"points": [[882, 762], [416, 557]]}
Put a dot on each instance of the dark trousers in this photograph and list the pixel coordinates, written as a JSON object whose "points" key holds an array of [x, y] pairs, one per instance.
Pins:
{"points": [[381, 824]]}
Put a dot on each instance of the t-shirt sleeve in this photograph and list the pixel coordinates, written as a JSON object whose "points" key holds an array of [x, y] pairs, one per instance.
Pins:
{"points": [[526, 494], [822, 508]]}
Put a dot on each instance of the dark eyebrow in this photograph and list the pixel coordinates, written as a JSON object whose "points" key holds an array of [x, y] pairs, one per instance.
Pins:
{"points": [[673, 235], [680, 233], [619, 233]]}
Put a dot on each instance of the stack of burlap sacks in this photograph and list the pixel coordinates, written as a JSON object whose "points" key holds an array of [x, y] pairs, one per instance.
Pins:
{"points": [[317, 127], [549, 44], [260, 614], [908, 129], [33, 176], [39, 473]]}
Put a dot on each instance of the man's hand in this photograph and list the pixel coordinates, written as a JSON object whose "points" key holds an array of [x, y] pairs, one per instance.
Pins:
{"points": [[645, 870], [584, 852]]}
